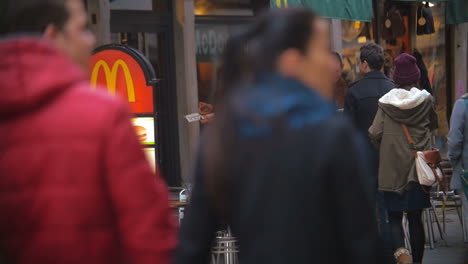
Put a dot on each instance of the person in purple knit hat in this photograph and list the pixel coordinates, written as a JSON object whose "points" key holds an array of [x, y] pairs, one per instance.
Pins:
{"points": [[398, 180]]}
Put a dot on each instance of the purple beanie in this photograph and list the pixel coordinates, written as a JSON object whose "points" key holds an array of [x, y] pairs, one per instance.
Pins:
{"points": [[406, 70]]}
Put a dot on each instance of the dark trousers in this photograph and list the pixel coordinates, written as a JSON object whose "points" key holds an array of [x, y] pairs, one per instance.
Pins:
{"points": [[416, 231], [385, 246]]}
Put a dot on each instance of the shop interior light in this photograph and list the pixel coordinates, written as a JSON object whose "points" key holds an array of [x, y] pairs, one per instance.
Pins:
{"points": [[362, 40], [430, 4], [357, 25]]}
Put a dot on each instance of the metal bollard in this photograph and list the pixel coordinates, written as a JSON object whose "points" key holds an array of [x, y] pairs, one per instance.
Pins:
{"points": [[225, 249], [182, 198]]}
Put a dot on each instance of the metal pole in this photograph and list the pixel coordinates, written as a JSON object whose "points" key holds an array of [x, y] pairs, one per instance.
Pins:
{"points": [[430, 233]]}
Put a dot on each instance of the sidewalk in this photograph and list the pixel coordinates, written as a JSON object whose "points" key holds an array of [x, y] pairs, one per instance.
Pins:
{"points": [[456, 252]]}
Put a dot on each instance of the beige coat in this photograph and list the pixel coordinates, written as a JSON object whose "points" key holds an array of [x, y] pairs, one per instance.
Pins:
{"points": [[415, 109]]}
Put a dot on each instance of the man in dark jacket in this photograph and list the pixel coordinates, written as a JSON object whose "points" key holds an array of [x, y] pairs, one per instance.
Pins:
{"points": [[362, 98], [361, 106], [75, 186]]}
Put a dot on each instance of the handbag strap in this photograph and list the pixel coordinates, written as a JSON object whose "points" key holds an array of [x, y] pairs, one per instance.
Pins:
{"points": [[409, 138], [434, 169], [407, 134]]}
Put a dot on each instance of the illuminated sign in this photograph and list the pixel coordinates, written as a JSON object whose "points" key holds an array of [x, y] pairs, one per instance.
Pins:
{"points": [[126, 72], [282, 3], [111, 77]]}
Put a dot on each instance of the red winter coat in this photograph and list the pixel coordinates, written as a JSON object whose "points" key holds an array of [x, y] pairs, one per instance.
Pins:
{"points": [[74, 183]]}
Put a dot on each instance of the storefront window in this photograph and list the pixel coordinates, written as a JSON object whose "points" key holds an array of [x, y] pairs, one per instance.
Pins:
{"points": [[211, 40], [216, 21], [354, 35], [433, 51]]}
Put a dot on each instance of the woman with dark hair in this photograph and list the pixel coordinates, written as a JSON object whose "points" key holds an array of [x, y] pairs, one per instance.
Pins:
{"points": [[278, 165], [405, 115]]}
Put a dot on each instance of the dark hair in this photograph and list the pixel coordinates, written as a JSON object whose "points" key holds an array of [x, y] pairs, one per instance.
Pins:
{"points": [[256, 50], [374, 55], [31, 16], [424, 80], [338, 57], [247, 55]]}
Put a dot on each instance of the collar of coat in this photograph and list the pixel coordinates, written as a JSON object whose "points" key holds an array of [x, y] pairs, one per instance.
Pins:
{"points": [[410, 107], [371, 75], [404, 99], [274, 100], [375, 75]]}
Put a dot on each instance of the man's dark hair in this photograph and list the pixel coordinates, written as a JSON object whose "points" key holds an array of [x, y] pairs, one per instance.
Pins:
{"points": [[374, 55], [31, 16]]}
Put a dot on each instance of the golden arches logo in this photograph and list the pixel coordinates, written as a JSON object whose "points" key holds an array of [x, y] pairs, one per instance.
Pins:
{"points": [[281, 3], [111, 77]]}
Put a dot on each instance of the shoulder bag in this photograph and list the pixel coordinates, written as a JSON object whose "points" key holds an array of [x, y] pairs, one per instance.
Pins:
{"points": [[428, 167]]}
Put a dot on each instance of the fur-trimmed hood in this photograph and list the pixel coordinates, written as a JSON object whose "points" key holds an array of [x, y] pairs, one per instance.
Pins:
{"points": [[405, 99], [407, 106]]}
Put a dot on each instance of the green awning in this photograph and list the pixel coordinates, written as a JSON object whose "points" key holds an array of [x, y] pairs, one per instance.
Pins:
{"points": [[423, 0], [457, 12], [358, 10]]}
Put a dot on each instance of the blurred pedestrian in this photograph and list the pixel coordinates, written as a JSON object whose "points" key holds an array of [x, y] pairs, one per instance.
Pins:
{"points": [[278, 165], [75, 186], [398, 179], [458, 151], [340, 87]]}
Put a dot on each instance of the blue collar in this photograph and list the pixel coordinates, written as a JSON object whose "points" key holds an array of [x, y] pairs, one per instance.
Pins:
{"points": [[273, 97]]}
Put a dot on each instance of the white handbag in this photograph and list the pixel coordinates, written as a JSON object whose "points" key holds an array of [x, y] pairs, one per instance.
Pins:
{"points": [[428, 166], [426, 175]]}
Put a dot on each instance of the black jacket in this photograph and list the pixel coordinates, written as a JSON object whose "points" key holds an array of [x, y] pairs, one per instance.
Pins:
{"points": [[363, 98], [297, 183]]}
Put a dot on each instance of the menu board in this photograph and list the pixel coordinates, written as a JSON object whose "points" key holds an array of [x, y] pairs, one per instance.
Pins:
{"points": [[144, 128]]}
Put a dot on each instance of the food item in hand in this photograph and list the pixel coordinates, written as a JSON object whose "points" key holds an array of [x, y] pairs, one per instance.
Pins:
{"points": [[205, 108], [141, 133], [206, 111]]}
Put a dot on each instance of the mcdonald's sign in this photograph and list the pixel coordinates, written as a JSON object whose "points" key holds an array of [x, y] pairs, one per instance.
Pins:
{"points": [[126, 72]]}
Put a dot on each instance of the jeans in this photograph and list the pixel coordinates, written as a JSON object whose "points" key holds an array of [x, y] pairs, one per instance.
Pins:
{"points": [[416, 231], [385, 247]]}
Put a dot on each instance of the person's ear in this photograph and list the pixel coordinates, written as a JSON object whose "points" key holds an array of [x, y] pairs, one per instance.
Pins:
{"points": [[50, 32], [289, 62], [365, 66]]}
